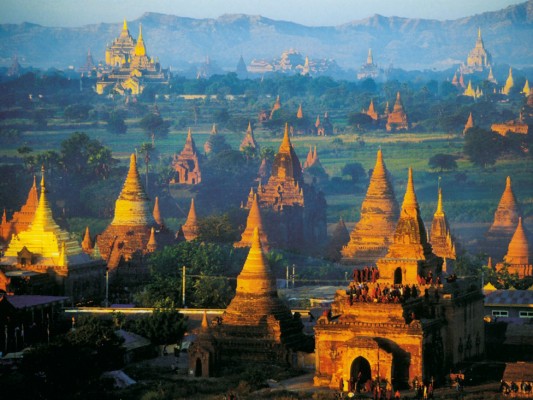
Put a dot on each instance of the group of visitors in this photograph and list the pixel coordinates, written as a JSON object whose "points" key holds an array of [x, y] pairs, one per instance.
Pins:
{"points": [[379, 390], [366, 274], [513, 389], [376, 293]]}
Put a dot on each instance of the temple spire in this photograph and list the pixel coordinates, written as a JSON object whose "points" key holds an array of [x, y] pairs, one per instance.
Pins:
{"points": [[410, 199], [152, 244], [286, 142], [189, 229], [518, 252], [140, 49], [440, 211], [369, 58], [156, 213], [87, 244], [253, 221], [125, 26]]}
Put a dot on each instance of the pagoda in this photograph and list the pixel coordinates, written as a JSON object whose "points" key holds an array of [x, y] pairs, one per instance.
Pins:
{"points": [[300, 112], [470, 92], [124, 242], [397, 119], [410, 257], [324, 126], [187, 164], [526, 91], [45, 248], [371, 112], [504, 225], [207, 145], [190, 229], [21, 220], [249, 139], [509, 83], [339, 238], [517, 258], [256, 327], [241, 69], [440, 238], [296, 212], [87, 244], [128, 68], [253, 221], [368, 70], [469, 123], [491, 77], [275, 107], [479, 59], [374, 232]]}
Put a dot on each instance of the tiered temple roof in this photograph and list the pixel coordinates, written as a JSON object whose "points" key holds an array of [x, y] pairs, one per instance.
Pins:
{"points": [[254, 220], [207, 144], [275, 107], [504, 224], [410, 255], [187, 163], [441, 238], [379, 213], [21, 220], [397, 119], [190, 229]]}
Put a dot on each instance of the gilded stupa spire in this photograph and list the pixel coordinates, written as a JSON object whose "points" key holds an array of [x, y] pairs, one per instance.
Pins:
{"points": [[87, 244], [4, 217], [152, 244], [469, 123], [440, 211], [132, 206], [256, 276], [205, 324], [286, 142], [518, 252], [190, 228], [509, 83], [441, 239], [157, 214], [125, 26], [140, 49], [253, 221], [410, 200]]}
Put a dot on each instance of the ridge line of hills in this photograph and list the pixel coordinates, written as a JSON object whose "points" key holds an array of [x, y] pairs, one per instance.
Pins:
{"points": [[182, 41]]}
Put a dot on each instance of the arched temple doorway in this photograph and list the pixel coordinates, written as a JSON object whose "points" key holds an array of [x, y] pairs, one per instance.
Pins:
{"points": [[398, 276], [360, 372], [198, 368]]}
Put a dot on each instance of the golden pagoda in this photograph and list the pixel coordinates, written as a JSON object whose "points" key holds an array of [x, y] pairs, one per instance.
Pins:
{"points": [[509, 83], [371, 112], [249, 139], [410, 256], [397, 119], [128, 68], [151, 246], [190, 229], [469, 123], [125, 240], [517, 257], [256, 327], [469, 91], [254, 220], [45, 248], [21, 220], [441, 239], [455, 82], [526, 91], [478, 59], [374, 232], [504, 225], [187, 164]]}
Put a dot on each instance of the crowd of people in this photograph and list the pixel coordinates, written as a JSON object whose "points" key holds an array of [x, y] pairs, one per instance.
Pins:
{"points": [[377, 293]]}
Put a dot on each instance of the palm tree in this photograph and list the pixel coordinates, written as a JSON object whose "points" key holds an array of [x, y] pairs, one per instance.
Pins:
{"points": [[146, 149]]}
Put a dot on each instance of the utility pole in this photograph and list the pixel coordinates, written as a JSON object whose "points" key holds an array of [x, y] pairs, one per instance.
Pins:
{"points": [[293, 274], [183, 286], [287, 278]]}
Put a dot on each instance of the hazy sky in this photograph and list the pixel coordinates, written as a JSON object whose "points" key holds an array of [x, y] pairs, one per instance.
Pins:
{"points": [[308, 12]]}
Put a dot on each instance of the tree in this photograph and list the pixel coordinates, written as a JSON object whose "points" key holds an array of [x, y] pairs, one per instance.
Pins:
{"points": [[442, 162], [116, 124], [217, 229], [218, 144], [355, 171], [77, 112], [163, 326], [482, 147], [212, 292], [154, 125], [146, 149]]}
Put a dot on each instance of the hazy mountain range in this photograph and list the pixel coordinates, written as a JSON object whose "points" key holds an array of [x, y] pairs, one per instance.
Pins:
{"points": [[179, 42]]}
